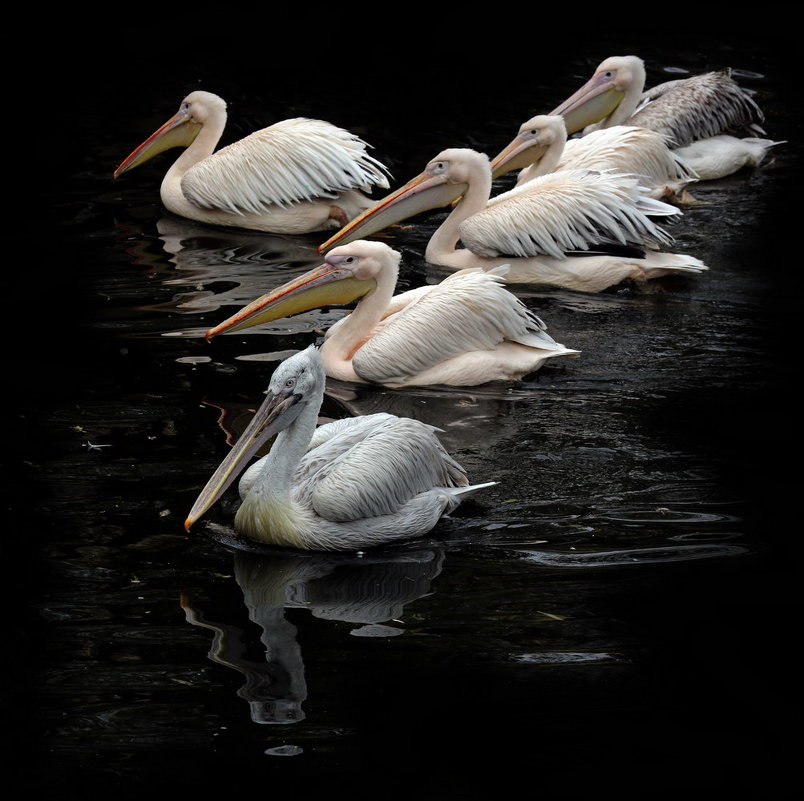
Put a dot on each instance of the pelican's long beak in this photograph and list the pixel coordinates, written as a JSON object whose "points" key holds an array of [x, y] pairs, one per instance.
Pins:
{"points": [[520, 153], [276, 413], [422, 193], [327, 285], [179, 131], [594, 101]]}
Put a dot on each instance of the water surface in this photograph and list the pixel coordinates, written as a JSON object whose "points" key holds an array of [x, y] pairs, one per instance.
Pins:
{"points": [[612, 615]]}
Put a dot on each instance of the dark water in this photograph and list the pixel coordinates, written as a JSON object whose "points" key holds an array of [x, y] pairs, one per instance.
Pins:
{"points": [[616, 615]]}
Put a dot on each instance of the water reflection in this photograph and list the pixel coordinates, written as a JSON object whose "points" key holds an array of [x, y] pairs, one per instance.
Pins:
{"points": [[371, 590], [227, 268], [481, 416]]}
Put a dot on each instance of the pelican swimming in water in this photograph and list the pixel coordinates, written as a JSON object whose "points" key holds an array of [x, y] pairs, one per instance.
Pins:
{"points": [[703, 110], [541, 147], [350, 484], [293, 177], [534, 227], [467, 330]]}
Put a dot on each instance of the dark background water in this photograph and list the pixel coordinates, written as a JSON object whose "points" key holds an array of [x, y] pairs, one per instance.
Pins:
{"points": [[617, 615]]}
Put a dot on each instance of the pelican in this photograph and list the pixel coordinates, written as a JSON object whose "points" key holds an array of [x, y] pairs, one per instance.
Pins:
{"points": [[293, 177], [350, 484], [467, 330], [686, 111], [539, 223], [541, 147]]}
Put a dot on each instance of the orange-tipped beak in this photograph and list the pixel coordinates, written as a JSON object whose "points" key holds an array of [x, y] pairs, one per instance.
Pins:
{"points": [[422, 193], [179, 131], [326, 285]]}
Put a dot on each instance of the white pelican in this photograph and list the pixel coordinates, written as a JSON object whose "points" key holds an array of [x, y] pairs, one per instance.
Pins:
{"points": [[465, 331], [294, 177], [538, 224], [684, 111], [350, 484], [541, 146]]}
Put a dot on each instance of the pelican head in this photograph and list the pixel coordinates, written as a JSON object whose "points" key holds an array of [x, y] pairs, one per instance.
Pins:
{"points": [[536, 137], [348, 273], [296, 382], [443, 181], [179, 131], [615, 78]]}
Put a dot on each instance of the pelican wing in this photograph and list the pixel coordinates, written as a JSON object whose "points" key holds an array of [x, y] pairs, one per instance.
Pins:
{"points": [[396, 304], [351, 427], [565, 211], [698, 107], [470, 310], [626, 149], [292, 161], [373, 465]]}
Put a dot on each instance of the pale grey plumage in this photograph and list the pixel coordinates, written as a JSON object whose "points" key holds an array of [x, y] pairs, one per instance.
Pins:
{"points": [[350, 484]]}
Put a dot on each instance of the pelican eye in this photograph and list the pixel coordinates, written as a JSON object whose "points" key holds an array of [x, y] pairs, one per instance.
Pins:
{"points": [[349, 260], [290, 383]]}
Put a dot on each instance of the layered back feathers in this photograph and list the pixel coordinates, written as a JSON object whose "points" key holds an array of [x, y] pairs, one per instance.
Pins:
{"points": [[293, 161]]}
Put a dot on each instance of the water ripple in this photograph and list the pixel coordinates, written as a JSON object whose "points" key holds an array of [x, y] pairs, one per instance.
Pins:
{"points": [[642, 556], [565, 658]]}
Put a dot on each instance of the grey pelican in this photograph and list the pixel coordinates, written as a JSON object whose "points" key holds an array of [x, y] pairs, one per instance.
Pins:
{"points": [[533, 228], [467, 330], [293, 177], [703, 110], [541, 146], [346, 485]]}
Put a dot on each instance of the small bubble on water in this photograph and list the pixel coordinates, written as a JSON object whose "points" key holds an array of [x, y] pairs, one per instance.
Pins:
{"points": [[194, 359]]}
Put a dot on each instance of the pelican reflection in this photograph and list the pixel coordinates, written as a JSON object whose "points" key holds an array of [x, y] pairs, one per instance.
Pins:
{"points": [[370, 590]]}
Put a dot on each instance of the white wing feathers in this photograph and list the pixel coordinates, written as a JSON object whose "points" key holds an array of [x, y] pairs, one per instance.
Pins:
{"points": [[396, 304], [292, 161], [626, 149], [562, 212], [372, 466], [469, 310]]}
